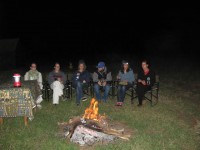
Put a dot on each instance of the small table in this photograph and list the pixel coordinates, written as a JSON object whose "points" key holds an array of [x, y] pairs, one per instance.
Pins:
{"points": [[18, 101]]}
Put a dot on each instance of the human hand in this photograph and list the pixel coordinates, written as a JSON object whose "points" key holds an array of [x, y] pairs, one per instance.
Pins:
{"points": [[118, 77], [143, 82], [104, 83], [99, 83], [126, 81], [84, 81]]}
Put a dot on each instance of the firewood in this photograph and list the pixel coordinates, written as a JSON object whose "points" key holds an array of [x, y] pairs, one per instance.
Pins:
{"points": [[118, 131], [122, 136]]}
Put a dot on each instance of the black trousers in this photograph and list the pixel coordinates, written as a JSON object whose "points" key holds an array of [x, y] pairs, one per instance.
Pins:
{"points": [[141, 90]]}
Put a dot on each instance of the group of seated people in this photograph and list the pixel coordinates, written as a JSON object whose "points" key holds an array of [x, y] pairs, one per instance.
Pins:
{"points": [[101, 79]]}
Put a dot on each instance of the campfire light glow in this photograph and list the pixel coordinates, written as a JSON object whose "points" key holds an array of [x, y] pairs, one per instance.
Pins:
{"points": [[92, 112], [93, 128]]}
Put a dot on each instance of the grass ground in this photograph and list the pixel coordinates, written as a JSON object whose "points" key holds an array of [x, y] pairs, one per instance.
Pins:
{"points": [[173, 124]]}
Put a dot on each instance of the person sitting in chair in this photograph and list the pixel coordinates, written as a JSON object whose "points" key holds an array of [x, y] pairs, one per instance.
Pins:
{"points": [[57, 80], [102, 79], [146, 79], [34, 74], [126, 79], [80, 80]]}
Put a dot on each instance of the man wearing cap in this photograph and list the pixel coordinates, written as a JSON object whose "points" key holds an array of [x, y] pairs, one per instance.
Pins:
{"points": [[80, 80], [102, 79]]}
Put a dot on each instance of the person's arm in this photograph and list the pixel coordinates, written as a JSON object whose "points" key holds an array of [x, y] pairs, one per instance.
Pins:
{"points": [[119, 75], [87, 79], [26, 76], [109, 77], [131, 77], [95, 77], [64, 79], [40, 80], [50, 78]]}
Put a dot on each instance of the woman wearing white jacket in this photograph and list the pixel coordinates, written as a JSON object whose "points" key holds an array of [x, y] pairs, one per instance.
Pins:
{"points": [[33, 74]]}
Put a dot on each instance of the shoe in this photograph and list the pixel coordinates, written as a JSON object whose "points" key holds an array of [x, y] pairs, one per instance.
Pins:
{"points": [[30, 118], [34, 106], [78, 104], [119, 104], [144, 101], [39, 106], [139, 105], [84, 98], [62, 98]]}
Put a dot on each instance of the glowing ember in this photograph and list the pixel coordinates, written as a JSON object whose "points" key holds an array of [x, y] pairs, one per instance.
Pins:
{"points": [[92, 111]]}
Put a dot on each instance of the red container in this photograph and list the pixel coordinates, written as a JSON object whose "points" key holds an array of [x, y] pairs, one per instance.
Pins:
{"points": [[17, 82]]}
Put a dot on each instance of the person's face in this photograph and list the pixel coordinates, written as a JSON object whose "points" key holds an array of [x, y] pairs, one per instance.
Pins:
{"points": [[125, 66], [81, 67], [144, 65], [100, 69], [57, 67], [33, 67]]}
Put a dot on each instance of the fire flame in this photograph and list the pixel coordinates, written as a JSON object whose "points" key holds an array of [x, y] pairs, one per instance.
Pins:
{"points": [[92, 112]]}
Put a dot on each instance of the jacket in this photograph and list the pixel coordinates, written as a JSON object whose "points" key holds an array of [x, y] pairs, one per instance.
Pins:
{"points": [[129, 76]]}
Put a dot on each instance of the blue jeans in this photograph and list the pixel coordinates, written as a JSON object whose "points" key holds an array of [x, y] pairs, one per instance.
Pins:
{"points": [[97, 89], [122, 92], [79, 91]]}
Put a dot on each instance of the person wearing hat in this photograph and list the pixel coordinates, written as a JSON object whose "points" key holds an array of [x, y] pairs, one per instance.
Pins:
{"points": [[126, 79], [102, 79], [80, 80]]}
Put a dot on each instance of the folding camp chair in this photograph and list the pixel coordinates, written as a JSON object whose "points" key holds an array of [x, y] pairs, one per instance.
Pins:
{"points": [[152, 95], [49, 92]]}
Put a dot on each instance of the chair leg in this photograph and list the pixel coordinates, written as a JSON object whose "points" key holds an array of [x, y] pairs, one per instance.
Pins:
{"points": [[68, 93], [25, 120], [48, 93], [151, 99], [157, 95], [132, 96], [71, 92], [1, 121]]}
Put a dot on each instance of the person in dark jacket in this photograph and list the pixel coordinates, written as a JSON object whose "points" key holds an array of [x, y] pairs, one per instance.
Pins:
{"points": [[80, 79], [126, 79], [102, 79], [146, 79]]}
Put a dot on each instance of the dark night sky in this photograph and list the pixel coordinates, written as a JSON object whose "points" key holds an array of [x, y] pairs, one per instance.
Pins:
{"points": [[72, 33]]}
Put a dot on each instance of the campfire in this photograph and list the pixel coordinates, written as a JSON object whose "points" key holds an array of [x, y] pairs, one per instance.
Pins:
{"points": [[92, 111], [91, 128]]}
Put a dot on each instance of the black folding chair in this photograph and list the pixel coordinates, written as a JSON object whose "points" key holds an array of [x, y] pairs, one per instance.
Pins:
{"points": [[152, 95]]}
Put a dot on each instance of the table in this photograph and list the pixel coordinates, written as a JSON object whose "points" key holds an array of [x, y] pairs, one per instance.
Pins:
{"points": [[18, 101]]}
